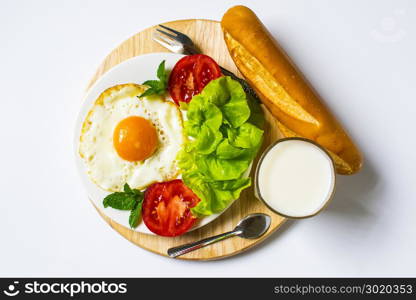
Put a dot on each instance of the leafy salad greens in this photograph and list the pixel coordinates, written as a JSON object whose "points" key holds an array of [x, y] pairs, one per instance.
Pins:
{"points": [[225, 129]]}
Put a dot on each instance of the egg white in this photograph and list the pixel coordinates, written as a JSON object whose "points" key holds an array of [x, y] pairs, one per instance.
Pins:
{"points": [[104, 166]]}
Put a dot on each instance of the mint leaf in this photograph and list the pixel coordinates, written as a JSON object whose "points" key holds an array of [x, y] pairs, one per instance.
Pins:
{"points": [[154, 84], [120, 200], [148, 92], [162, 74], [157, 87], [126, 200], [135, 214], [127, 188]]}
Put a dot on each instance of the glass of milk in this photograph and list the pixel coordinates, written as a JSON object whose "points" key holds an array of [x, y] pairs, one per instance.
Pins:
{"points": [[295, 178]]}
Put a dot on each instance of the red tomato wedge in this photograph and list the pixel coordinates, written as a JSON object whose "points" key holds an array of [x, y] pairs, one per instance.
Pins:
{"points": [[190, 75], [166, 208]]}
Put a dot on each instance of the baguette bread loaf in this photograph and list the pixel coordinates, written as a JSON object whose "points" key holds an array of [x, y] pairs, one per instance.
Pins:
{"points": [[284, 90]]}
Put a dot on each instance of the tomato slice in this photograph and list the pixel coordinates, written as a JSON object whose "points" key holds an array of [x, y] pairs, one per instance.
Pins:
{"points": [[190, 75], [166, 208]]}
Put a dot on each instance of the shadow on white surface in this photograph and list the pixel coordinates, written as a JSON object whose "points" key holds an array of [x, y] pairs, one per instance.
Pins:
{"points": [[284, 229], [356, 195], [353, 206]]}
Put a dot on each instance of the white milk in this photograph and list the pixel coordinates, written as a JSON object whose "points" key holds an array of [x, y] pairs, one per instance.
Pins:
{"points": [[296, 178]]}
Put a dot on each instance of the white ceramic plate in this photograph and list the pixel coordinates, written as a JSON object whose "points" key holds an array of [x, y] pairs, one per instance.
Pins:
{"points": [[135, 70]]}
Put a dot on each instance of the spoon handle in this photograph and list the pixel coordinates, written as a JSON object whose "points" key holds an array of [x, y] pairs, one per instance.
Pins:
{"points": [[180, 250]]}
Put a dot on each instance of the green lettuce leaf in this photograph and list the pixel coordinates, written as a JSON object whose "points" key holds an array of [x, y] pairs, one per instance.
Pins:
{"points": [[202, 113], [224, 126], [233, 185], [207, 140], [227, 151], [236, 112], [245, 136], [214, 168], [230, 98], [186, 160], [215, 196], [217, 92], [203, 190], [226, 191]]}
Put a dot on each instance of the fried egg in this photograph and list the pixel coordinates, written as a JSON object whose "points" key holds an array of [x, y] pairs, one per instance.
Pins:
{"points": [[125, 139]]}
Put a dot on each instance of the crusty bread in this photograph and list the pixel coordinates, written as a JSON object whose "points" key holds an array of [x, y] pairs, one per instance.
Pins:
{"points": [[283, 89]]}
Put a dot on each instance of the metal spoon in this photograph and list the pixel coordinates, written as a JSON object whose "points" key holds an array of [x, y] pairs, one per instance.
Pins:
{"points": [[251, 227]]}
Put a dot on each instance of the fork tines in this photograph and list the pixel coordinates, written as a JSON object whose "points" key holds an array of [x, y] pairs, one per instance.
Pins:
{"points": [[166, 33], [176, 35], [170, 29]]}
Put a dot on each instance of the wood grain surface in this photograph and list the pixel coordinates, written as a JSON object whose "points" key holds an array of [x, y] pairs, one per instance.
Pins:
{"points": [[207, 35]]}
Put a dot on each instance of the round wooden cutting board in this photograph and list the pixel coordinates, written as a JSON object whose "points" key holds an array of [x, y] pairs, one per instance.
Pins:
{"points": [[208, 37]]}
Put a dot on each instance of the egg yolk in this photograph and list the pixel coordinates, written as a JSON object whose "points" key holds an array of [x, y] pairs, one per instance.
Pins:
{"points": [[135, 139]]}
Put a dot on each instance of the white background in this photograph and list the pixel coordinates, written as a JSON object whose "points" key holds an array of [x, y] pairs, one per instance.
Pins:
{"points": [[360, 55]]}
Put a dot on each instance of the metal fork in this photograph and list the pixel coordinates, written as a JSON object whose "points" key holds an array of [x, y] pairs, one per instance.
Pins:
{"points": [[178, 42]]}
